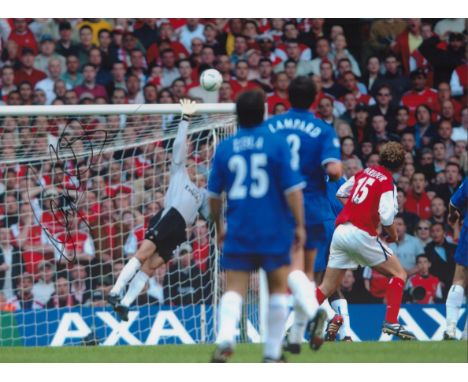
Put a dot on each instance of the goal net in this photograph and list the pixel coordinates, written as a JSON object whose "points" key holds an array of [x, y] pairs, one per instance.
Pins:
{"points": [[78, 187]]}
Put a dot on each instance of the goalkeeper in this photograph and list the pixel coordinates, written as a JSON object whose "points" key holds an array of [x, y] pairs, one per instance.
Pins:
{"points": [[167, 229]]}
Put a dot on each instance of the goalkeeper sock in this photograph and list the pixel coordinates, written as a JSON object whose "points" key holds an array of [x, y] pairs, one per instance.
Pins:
{"points": [[230, 309], [453, 304], [134, 289], [125, 276], [341, 307], [304, 292], [296, 333], [277, 316]]}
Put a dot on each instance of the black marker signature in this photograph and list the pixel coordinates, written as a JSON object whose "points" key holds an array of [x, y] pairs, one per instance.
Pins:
{"points": [[65, 212]]}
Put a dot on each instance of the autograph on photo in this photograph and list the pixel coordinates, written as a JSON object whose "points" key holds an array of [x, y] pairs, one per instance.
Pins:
{"points": [[64, 207]]}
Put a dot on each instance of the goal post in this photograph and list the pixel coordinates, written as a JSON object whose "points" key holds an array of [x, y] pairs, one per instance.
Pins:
{"points": [[78, 185]]}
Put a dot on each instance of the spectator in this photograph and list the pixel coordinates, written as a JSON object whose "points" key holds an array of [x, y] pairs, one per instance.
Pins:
{"points": [[399, 83], [325, 110], [382, 35], [103, 76], [169, 70], [150, 93], [185, 283], [379, 132], [27, 72], [89, 84], [444, 134], [265, 77], [453, 180], [24, 299], [373, 77], [193, 29], [410, 218], [407, 247], [339, 51], [293, 52], [79, 283], [441, 255], [349, 81], [402, 118], [376, 284], [225, 93], [322, 47], [118, 78], [438, 211], [422, 287], [417, 200], [383, 106], [72, 76], [22, 36], [44, 287], [240, 49], [47, 51], [329, 85], [7, 82], [10, 264], [423, 232], [86, 43], [425, 132], [419, 94], [444, 58], [47, 84], [95, 25], [134, 94], [62, 297], [408, 42], [351, 167], [65, 46], [241, 82], [360, 124]]}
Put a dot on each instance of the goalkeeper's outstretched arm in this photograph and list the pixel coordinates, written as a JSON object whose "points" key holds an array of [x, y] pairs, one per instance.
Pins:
{"points": [[179, 149]]}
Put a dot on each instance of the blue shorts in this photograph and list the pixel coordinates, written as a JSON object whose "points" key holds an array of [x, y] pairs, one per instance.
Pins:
{"points": [[323, 251], [461, 254], [250, 263], [316, 235]]}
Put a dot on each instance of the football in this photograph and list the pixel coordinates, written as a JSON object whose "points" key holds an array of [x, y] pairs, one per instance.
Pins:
{"points": [[211, 80]]}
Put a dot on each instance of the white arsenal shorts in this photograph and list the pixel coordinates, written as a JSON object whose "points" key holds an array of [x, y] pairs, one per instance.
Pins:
{"points": [[352, 246]]}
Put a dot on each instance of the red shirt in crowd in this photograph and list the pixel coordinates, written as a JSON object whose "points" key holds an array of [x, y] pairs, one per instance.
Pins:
{"points": [[33, 78], [430, 284], [26, 40], [377, 283], [274, 100], [412, 99], [237, 87], [420, 205]]}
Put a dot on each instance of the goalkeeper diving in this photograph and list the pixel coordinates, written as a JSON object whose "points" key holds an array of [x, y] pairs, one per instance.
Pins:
{"points": [[167, 229]]}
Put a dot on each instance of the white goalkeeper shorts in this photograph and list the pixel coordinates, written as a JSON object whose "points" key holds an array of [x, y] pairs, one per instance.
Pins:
{"points": [[352, 246]]}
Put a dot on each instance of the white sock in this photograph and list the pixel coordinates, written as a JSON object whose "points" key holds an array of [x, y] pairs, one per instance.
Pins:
{"points": [[277, 316], [230, 309], [296, 333], [453, 304], [303, 291], [328, 309], [134, 289], [126, 275], [341, 307]]}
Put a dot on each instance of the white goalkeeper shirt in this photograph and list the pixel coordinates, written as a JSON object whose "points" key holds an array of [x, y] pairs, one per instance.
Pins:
{"points": [[182, 194]]}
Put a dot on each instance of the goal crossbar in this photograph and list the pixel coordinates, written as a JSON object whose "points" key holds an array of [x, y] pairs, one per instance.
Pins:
{"points": [[76, 110]]}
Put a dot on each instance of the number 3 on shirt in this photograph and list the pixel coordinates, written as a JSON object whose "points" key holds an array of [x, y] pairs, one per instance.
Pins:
{"points": [[362, 190], [294, 144], [260, 181]]}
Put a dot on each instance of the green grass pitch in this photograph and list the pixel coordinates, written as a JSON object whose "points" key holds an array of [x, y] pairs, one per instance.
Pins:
{"points": [[398, 351]]}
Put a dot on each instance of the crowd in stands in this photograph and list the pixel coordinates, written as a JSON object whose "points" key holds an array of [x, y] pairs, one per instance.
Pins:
{"points": [[378, 80]]}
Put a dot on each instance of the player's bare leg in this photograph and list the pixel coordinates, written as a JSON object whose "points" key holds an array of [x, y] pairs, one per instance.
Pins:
{"points": [[277, 314], [146, 250], [394, 293], [455, 301], [305, 302], [229, 314]]}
